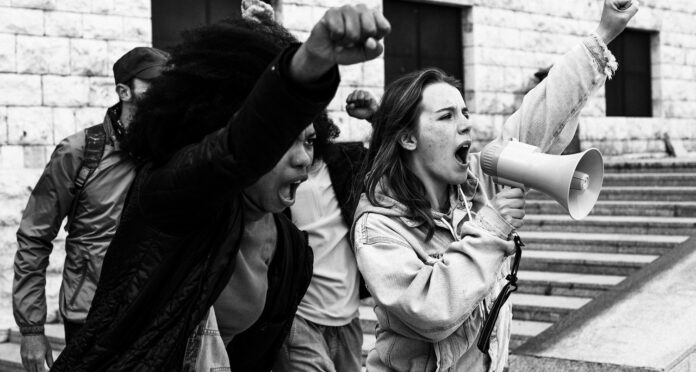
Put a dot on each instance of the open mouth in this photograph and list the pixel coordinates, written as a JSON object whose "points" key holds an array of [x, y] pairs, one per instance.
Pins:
{"points": [[287, 192], [462, 153]]}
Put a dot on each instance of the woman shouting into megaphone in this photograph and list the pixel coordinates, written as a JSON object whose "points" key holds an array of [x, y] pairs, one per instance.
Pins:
{"points": [[432, 233]]}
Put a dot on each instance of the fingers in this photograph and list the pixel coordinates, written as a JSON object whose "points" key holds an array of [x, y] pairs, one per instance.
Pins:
{"points": [[633, 8], [620, 4], [512, 192], [368, 23], [352, 29], [358, 98], [624, 5], [510, 204], [33, 365], [356, 25], [333, 20], [382, 24], [49, 357]]}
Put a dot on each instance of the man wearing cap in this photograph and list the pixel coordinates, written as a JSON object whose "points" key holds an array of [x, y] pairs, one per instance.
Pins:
{"points": [[91, 197]]}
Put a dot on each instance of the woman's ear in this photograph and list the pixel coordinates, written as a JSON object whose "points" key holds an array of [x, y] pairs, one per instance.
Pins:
{"points": [[408, 141], [125, 94]]}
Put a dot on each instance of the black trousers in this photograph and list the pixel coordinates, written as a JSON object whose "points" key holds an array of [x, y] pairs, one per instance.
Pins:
{"points": [[71, 329]]}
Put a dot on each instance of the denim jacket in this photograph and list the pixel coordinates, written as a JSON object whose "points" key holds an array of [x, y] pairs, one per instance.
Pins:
{"points": [[431, 296]]}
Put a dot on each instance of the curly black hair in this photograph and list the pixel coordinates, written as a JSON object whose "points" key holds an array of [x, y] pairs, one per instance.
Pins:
{"points": [[327, 132], [204, 83]]}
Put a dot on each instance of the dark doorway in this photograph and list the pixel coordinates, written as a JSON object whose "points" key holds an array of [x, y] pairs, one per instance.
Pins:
{"points": [[426, 35], [171, 17], [629, 93]]}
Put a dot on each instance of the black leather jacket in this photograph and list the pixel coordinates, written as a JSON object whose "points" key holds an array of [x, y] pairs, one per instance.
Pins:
{"points": [[179, 236]]}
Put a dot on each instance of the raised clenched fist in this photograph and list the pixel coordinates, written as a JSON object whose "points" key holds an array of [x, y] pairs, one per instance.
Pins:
{"points": [[615, 17]]}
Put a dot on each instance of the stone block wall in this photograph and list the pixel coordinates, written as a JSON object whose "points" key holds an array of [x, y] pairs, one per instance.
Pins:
{"points": [[506, 42], [55, 79]]}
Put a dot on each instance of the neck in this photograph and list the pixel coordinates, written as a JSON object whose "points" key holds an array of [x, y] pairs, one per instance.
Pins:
{"points": [[435, 191], [252, 211], [127, 112]]}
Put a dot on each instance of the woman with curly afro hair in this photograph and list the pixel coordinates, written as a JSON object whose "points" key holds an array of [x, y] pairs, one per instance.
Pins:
{"points": [[223, 139]]}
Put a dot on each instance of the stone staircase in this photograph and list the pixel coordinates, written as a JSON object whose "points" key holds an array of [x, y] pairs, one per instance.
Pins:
{"points": [[645, 209]]}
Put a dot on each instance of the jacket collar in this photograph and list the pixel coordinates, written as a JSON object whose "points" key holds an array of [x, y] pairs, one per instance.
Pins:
{"points": [[112, 125]]}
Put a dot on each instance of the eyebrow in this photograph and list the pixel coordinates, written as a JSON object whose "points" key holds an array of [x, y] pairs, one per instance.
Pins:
{"points": [[452, 108]]}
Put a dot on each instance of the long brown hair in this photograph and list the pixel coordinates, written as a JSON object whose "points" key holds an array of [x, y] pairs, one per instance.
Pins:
{"points": [[386, 160]]}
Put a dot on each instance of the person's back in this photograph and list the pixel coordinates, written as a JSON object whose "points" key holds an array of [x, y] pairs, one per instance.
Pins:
{"points": [[86, 180]]}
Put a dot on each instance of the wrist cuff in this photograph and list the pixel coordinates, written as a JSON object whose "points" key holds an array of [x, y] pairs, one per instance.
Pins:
{"points": [[31, 330], [603, 59], [491, 220]]}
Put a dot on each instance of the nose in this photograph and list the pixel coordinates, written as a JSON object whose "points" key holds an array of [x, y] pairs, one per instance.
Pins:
{"points": [[463, 124], [300, 157]]}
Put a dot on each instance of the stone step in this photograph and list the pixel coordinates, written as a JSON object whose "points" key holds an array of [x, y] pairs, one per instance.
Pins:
{"points": [[565, 284], [523, 330], [674, 165], [649, 179], [544, 308], [636, 193], [610, 224], [603, 243], [620, 208], [584, 262]]}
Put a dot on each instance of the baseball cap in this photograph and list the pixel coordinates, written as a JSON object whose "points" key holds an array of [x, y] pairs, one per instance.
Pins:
{"points": [[141, 62]]}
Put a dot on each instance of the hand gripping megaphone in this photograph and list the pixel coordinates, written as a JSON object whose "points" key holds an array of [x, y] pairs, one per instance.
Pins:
{"points": [[574, 181]]}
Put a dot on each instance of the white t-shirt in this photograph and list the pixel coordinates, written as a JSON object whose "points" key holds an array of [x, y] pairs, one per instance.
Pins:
{"points": [[332, 298]]}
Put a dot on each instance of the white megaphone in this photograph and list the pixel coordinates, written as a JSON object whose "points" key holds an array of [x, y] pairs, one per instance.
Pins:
{"points": [[574, 181]]}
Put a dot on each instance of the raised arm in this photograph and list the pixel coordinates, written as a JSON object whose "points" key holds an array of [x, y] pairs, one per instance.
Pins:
{"points": [[548, 116], [361, 104], [286, 98]]}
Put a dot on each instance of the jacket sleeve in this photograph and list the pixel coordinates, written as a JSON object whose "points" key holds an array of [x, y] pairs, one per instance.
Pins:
{"points": [[48, 205], [201, 175], [548, 116], [432, 298]]}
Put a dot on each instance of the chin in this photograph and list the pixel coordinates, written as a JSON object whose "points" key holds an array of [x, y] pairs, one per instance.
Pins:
{"points": [[278, 208], [458, 178]]}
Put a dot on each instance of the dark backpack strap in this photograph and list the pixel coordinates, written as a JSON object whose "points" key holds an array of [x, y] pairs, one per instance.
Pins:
{"points": [[95, 141]]}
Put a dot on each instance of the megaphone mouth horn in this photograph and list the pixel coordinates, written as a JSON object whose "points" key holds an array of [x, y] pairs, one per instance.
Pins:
{"points": [[581, 201]]}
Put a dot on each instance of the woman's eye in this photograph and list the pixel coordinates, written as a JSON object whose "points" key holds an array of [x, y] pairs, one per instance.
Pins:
{"points": [[446, 116], [310, 141]]}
